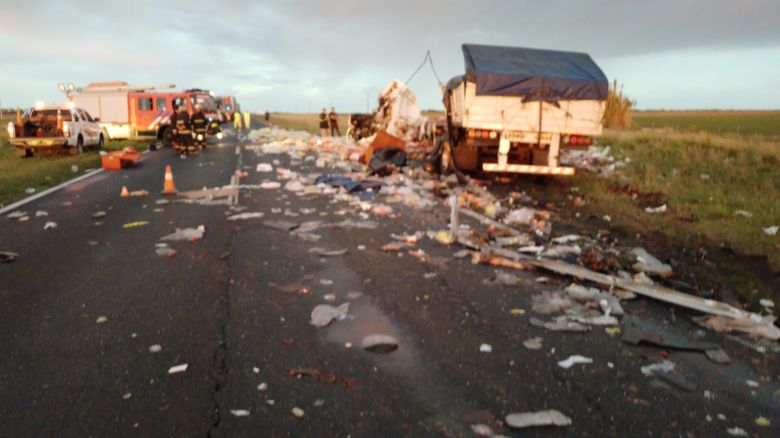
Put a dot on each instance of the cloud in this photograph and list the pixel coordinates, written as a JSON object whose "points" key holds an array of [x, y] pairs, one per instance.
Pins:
{"points": [[288, 54]]}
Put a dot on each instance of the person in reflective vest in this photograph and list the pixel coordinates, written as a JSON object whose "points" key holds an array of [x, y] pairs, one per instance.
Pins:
{"points": [[199, 126], [237, 120], [323, 123], [247, 119], [181, 129]]}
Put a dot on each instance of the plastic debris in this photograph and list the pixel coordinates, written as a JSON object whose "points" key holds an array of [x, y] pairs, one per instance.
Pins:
{"points": [[135, 224], [264, 168], [8, 257], [736, 431], [762, 421], [771, 231], [74, 168], [324, 314], [99, 214], [664, 367], [243, 216], [379, 343], [16, 214], [549, 417], [239, 412], [649, 264], [156, 348], [178, 368], [743, 213], [163, 250], [41, 213], [574, 360], [29, 190], [101, 319], [50, 225], [298, 412], [262, 387], [191, 234], [485, 348], [561, 324], [765, 302], [533, 343], [322, 252]]}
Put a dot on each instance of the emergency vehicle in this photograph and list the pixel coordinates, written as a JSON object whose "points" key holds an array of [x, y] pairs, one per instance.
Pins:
{"points": [[54, 128], [128, 111], [231, 106]]}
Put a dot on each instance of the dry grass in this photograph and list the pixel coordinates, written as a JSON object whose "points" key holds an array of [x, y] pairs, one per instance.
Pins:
{"points": [[617, 113]]}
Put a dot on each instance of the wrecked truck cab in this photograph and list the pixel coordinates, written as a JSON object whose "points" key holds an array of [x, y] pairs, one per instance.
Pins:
{"points": [[516, 109]]}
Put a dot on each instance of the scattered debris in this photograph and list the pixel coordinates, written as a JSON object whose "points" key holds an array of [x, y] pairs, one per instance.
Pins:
{"points": [[298, 412], [533, 343], [771, 231], [762, 422], [178, 369], [656, 210], [8, 257], [574, 360], [50, 225], [156, 348], [324, 314], [239, 412], [135, 224], [191, 234], [649, 264], [485, 348], [101, 319], [549, 417], [243, 216], [736, 431], [280, 225], [99, 214], [379, 343], [163, 250], [635, 336], [322, 252]]}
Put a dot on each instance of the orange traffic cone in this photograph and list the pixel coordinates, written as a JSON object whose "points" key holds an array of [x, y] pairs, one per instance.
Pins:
{"points": [[125, 193], [169, 188]]}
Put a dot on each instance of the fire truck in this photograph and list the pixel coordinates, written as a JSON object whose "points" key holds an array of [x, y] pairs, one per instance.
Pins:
{"points": [[130, 111], [230, 105]]}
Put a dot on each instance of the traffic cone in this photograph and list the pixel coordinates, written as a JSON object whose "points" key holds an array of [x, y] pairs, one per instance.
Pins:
{"points": [[169, 188], [125, 193]]}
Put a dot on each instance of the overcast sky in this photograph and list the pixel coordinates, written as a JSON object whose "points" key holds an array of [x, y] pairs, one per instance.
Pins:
{"points": [[301, 55]]}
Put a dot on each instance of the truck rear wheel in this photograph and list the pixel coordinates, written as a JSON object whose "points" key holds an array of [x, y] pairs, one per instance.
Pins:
{"points": [[101, 143], [80, 145]]}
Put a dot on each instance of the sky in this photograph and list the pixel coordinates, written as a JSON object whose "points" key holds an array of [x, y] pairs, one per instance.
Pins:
{"points": [[302, 55]]}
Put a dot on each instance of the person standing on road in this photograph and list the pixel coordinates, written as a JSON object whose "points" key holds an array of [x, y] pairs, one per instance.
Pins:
{"points": [[334, 122], [181, 129], [323, 123], [199, 126], [247, 120], [237, 120], [267, 116]]}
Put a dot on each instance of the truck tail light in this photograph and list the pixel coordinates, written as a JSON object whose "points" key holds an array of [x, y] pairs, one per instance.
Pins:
{"points": [[485, 134], [11, 130], [471, 133]]}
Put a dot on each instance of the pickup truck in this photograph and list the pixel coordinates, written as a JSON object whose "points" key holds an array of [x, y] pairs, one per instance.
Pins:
{"points": [[54, 128], [515, 109]]}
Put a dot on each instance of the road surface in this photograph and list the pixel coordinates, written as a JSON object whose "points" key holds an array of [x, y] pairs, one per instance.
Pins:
{"points": [[85, 301]]}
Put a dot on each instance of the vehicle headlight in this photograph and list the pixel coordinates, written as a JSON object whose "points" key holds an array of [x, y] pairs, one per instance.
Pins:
{"points": [[200, 137], [219, 136]]}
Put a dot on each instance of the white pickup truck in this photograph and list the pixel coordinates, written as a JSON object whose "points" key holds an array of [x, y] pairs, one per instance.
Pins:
{"points": [[516, 109], [54, 128]]}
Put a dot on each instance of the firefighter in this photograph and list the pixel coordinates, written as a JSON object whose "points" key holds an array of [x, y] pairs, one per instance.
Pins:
{"points": [[247, 120], [237, 120], [199, 126], [181, 130]]}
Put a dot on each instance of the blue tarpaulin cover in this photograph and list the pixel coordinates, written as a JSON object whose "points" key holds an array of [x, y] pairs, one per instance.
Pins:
{"points": [[534, 74]]}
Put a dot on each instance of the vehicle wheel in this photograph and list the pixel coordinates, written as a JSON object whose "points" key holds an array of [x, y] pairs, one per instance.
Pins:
{"points": [[80, 145], [167, 135], [101, 143]]}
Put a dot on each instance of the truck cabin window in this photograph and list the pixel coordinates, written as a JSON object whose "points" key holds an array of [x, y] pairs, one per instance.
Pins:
{"points": [[145, 104]]}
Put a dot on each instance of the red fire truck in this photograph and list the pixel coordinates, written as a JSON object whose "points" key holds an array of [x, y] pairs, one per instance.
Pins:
{"points": [[230, 105], [128, 111]]}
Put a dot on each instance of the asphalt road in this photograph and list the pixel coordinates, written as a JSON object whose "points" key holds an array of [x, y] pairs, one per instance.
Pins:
{"points": [[235, 306]]}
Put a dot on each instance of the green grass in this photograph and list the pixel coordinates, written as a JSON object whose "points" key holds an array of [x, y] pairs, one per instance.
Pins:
{"points": [[743, 175], [19, 174], [743, 123]]}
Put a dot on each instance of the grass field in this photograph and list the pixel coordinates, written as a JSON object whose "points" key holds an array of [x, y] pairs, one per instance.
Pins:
{"points": [[40, 173], [305, 122], [766, 123]]}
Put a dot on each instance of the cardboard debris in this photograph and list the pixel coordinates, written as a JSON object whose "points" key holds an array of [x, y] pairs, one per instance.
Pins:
{"points": [[210, 193], [574, 360], [191, 234], [324, 314], [379, 343], [244, 216]]}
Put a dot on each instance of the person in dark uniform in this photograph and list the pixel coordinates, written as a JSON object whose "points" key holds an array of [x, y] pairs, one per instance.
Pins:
{"points": [[199, 126], [334, 122], [267, 116], [323, 123], [181, 129]]}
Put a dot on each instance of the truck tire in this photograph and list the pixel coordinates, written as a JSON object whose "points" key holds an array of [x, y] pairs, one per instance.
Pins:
{"points": [[80, 145], [166, 135], [101, 142]]}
